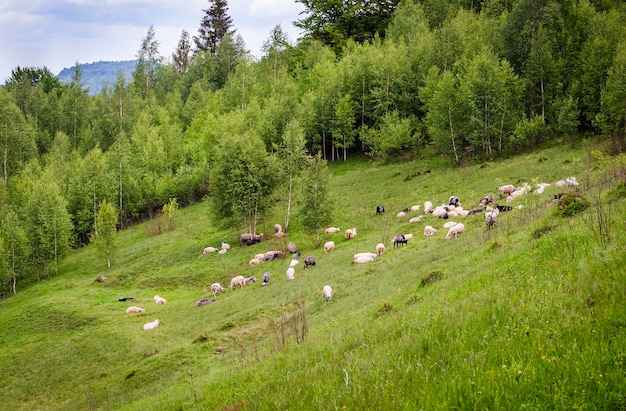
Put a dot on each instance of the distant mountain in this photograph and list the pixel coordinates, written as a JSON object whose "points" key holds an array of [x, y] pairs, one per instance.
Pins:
{"points": [[96, 75]]}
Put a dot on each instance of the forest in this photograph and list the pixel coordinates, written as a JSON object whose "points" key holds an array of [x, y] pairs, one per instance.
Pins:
{"points": [[465, 81]]}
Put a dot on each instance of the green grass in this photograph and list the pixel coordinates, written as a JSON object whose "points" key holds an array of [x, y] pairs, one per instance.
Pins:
{"points": [[529, 315]]}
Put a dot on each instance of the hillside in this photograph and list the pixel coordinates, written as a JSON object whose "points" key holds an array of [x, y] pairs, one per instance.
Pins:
{"points": [[529, 314], [96, 75]]}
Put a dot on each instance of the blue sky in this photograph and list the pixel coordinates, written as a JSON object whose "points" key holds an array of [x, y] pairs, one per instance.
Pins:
{"points": [[57, 34]]}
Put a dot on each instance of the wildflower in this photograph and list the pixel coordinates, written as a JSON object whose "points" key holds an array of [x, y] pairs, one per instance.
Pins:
{"points": [[504, 366], [601, 375], [389, 371], [543, 357]]}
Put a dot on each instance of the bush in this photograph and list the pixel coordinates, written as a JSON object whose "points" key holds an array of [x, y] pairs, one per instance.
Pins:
{"points": [[570, 204]]}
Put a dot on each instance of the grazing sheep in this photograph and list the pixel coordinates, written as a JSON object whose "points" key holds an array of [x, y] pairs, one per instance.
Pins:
{"points": [[350, 233], [329, 246], [293, 263], [380, 209], [327, 292], [216, 288], [401, 214], [225, 246], [399, 239], [266, 279], [380, 249], [310, 260], [363, 259], [488, 199], [415, 219], [204, 301], [159, 300], [278, 228], [415, 208], [237, 281], [368, 255], [408, 236], [449, 224], [222, 251], [455, 231], [428, 207], [273, 255], [429, 231], [250, 280], [332, 230], [250, 238], [209, 250], [256, 261], [133, 310], [506, 189], [454, 201], [291, 247], [291, 273], [296, 255], [151, 326], [440, 212]]}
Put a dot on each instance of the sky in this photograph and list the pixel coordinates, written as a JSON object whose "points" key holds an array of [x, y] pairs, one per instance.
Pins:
{"points": [[60, 33]]}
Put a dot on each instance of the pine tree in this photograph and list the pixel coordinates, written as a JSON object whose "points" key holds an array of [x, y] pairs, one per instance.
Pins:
{"points": [[215, 24], [180, 56]]}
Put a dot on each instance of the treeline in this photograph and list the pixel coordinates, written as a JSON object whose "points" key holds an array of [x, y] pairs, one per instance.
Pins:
{"points": [[466, 79]]}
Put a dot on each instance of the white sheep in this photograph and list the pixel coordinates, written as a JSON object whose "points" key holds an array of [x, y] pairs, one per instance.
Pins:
{"points": [[222, 251], [440, 211], [260, 256], [256, 261], [350, 233], [327, 292], [266, 279], [294, 263], [133, 310], [216, 288], [415, 219], [408, 236], [541, 188], [209, 250], [329, 246], [415, 208], [159, 300], [506, 189], [429, 231], [401, 214], [240, 280], [571, 182], [380, 249], [278, 228], [454, 231], [291, 273], [449, 224], [368, 255], [279, 234], [428, 206], [291, 247], [332, 230], [363, 259], [151, 326], [225, 246]]}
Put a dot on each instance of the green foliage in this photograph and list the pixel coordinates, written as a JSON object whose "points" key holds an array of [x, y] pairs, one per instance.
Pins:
{"points": [[571, 204], [104, 236], [395, 136], [316, 210]]}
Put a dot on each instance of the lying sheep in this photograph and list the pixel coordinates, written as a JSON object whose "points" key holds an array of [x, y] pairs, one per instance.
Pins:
{"points": [[250, 280], [222, 251], [380, 209], [291, 273], [329, 246], [209, 250], [151, 326], [350, 233], [401, 214], [327, 292], [415, 219], [266, 279], [310, 260], [293, 263], [488, 199], [415, 208], [380, 249], [204, 301], [455, 231], [133, 310], [368, 255], [363, 259], [506, 189], [256, 261], [237, 281], [159, 300], [332, 230], [449, 224], [216, 288], [429, 231], [399, 239], [408, 236]]}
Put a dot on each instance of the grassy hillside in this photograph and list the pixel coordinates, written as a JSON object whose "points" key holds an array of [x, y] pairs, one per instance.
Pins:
{"points": [[531, 314]]}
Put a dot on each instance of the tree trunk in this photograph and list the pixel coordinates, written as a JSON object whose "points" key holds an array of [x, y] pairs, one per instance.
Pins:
{"points": [[456, 156], [288, 202]]}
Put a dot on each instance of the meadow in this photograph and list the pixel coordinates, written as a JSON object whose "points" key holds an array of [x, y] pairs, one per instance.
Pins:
{"points": [[528, 315]]}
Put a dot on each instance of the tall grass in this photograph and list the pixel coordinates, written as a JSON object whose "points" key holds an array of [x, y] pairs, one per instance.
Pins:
{"points": [[528, 315]]}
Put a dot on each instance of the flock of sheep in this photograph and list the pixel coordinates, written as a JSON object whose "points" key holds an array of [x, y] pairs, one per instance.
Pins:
{"points": [[451, 210]]}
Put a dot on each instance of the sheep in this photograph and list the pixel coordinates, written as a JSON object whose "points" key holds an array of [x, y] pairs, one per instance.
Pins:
{"points": [[368, 255], [380, 249], [440, 212], [429, 231], [408, 236], [449, 224], [327, 292], [560, 183], [488, 199], [293, 263], [310, 260], [415, 219], [506, 189], [266, 279], [151, 326], [216, 288], [237, 281], [291, 247], [296, 255], [363, 259], [428, 206], [380, 209], [159, 300], [222, 251], [415, 208], [204, 301], [209, 250], [490, 217], [329, 246], [225, 246], [455, 231], [541, 188], [291, 273], [571, 182], [250, 238], [278, 228], [279, 234], [255, 261], [350, 233], [273, 255], [133, 310], [250, 280], [260, 256], [332, 230], [401, 214], [399, 239], [454, 201]]}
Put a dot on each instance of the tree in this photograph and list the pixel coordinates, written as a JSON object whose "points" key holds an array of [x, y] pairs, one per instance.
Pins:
{"points": [[17, 138], [316, 209], [104, 235], [274, 47], [215, 24], [567, 120], [180, 56], [148, 60], [293, 155], [33, 76], [14, 249], [343, 125], [169, 210], [612, 116]]}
